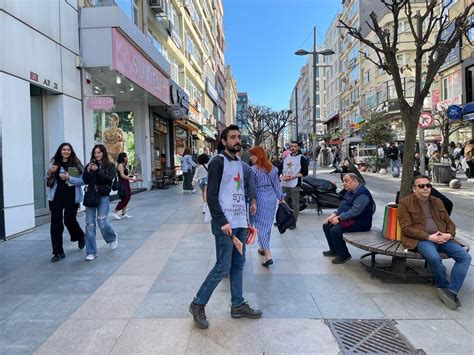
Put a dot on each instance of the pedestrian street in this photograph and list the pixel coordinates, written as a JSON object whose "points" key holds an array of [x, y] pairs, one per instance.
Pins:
{"points": [[135, 299]]}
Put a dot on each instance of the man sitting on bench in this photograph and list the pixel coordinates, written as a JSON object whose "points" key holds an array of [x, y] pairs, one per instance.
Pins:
{"points": [[353, 215], [425, 226]]}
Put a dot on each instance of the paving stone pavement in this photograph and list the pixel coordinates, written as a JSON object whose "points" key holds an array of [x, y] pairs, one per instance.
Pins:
{"points": [[134, 299]]}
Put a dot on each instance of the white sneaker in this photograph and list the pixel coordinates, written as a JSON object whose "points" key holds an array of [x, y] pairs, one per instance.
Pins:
{"points": [[114, 244], [90, 257], [126, 216], [115, 215]]}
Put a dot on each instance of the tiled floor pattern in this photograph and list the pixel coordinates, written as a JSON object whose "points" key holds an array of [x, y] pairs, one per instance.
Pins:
{"points": [[134, 299]]}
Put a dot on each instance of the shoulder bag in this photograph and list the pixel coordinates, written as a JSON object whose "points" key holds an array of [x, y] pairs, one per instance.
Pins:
{"points": [[92, 195]]}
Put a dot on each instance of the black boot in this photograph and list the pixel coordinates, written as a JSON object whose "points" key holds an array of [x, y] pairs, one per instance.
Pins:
{"points": [[244, 310], [199, 315]]}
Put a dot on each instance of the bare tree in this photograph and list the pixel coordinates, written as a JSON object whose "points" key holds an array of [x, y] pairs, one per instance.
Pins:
{"points": [[255, 120], [434, 35], [277, 122], [447, 126]]}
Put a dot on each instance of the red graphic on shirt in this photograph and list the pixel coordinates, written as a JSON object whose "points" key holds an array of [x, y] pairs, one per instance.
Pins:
{"points": [[237, 181]]}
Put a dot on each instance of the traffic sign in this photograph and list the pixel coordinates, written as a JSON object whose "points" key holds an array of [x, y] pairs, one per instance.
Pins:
{"points": [[426, 120], [454, 112]]}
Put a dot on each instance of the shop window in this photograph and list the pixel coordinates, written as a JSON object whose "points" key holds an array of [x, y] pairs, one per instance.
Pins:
{"points": [[160, 141], [116, 131], [181, 142]]}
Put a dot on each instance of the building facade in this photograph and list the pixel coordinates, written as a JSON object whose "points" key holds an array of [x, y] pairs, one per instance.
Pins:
{"points": [[231, 97], [242, 123], [40, 103], [144, 77]]}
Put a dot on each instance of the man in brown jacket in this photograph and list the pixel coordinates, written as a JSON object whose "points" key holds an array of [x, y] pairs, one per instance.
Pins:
{"points": [[426, 226]]}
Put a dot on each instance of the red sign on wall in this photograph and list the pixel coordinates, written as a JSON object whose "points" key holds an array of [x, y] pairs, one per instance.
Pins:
{"points": [[33, 76]]}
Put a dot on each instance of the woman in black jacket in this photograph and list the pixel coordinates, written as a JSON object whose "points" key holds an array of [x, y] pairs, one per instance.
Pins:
{"points": [[64, 196], [99, 174]]}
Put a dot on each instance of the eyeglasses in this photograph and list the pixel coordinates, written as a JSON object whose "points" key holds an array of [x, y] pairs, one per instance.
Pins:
{"points": [[422, 186]]}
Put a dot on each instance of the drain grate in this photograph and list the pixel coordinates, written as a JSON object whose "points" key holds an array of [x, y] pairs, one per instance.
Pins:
{"points": [[370, 336]]}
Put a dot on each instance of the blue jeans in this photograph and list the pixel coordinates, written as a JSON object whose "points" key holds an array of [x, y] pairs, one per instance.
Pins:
{"points": [[461, 257], [395, 164], [334, 233], [228, 261], [108, 233]]}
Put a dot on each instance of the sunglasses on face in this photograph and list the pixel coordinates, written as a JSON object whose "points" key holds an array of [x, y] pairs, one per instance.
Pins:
{"points": [[422, 186]]}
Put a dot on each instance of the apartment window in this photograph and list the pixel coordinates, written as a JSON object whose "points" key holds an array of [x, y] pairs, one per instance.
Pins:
{"points": [[354, 74], [152, 38], [367, 77], [174, 18], [174, 66], [354, 54], [131, 9], [447, 88]]}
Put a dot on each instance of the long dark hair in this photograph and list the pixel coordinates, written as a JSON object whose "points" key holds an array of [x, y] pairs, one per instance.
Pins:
{"points": [[105, 156], [121, 158], [73, 160]]}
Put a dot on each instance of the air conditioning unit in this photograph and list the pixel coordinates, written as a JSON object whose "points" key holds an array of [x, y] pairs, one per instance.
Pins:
{"points": [[158, 6]]}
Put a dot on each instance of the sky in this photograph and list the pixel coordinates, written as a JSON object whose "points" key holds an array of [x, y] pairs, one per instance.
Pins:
{"points": [[261, 38]]}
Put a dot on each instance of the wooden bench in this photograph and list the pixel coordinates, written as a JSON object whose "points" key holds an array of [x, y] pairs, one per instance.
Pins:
{"points": [[374, 242]]}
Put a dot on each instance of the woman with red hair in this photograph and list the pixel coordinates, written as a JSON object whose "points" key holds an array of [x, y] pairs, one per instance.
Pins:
{"points": [[267, 186]]}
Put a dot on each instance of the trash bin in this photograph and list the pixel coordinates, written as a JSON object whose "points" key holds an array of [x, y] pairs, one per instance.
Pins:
{"points": [[442, 173]]}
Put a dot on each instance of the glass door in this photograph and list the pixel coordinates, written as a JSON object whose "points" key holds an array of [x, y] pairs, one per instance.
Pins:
{"points": [[39, 164]]}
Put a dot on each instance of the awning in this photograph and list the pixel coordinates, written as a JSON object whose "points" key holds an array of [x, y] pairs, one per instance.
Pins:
{"points": [[468, 112]]}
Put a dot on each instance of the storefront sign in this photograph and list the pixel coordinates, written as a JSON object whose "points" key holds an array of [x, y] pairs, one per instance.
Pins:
{"points": [[127, 60], [434, 99], [177, 111], [51, 84], [455, 100], [100, 103], [211, 91], [211, 133], [178, 96]]}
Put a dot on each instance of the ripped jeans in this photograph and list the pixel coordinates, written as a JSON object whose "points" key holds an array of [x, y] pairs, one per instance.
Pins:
{"points": [[108, 233]]}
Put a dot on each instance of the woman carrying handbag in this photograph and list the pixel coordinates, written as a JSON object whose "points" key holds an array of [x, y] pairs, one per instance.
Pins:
{"points": [[267, 185], [98, 176], [64, 179]]}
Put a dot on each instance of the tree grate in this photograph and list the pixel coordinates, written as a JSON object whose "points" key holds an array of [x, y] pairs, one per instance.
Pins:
{"points": [[371, 336]]}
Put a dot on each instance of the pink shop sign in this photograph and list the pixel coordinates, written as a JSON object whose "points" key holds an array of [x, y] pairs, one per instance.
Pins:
{"points": [[100, 103], [127, 60]]}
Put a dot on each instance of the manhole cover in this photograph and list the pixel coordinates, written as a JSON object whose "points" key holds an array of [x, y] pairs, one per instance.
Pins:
{"points": [[370, 336]]}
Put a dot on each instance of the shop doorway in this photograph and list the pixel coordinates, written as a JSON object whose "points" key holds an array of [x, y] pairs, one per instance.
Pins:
{"points": [[116, 131], [38, 152]]}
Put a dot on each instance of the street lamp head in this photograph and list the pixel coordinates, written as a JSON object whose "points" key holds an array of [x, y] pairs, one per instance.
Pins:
{"points": [[326, 52], [302, 52]]}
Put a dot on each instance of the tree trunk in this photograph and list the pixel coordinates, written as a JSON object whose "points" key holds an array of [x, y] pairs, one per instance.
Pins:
{"points": [[411, 130], [275, 141]]}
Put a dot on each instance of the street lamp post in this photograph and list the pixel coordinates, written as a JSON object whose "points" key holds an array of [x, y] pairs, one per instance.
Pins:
{"points": [[314, 53]]}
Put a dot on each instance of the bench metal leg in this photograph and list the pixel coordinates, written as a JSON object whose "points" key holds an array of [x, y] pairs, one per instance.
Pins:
{"points": [[397, 271]]}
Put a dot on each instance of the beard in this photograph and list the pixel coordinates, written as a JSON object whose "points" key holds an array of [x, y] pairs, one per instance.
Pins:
{"points": [[235, 149]]}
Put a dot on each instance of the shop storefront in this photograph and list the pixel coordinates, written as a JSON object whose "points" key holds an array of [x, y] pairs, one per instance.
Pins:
{"points": [[126, 68]]}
